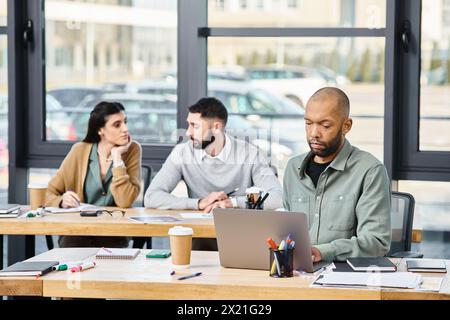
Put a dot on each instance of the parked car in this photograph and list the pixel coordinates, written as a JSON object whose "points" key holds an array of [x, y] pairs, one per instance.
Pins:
{"points": [[3, 116], [265, 111], [58, 124], [140, 108], [3, 147], [242, 98], [296, 83], [71, 96], [231, 73], [152, 119]]}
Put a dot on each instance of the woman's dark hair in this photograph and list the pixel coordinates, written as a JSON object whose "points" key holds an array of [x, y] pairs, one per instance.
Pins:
{"points": [[99, 117]]}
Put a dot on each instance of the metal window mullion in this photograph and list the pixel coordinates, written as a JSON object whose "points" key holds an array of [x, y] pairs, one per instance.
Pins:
{"points": [[291, 32], [390, 146], [3, 30], [191, 57]]}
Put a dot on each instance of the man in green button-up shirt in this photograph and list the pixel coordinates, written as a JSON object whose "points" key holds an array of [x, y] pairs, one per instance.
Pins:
{"points": [[344, 191]]}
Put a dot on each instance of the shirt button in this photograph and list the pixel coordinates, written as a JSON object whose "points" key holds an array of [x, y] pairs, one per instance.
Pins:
{"points": [[103, 193], [316, 215], [318, 197], [299, 199], [341, 197]]}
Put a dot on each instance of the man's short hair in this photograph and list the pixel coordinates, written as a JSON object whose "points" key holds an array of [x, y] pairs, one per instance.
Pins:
{"points": [[342, 99], [210, 108]]}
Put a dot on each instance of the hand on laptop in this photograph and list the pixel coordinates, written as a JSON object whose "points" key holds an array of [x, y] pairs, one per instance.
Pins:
{"points": [[205, 203], [219, 204], [315, 254]]}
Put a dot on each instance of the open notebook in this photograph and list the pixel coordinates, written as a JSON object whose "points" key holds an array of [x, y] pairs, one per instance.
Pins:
{"points": [[117, 253]]}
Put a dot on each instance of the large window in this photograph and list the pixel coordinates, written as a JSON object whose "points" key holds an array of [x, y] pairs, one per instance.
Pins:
{"points": [[3, 121], [435, 76], [265, 82], [99, 51], [297, 13], [431, 214], [424, 90], [3, 12]]}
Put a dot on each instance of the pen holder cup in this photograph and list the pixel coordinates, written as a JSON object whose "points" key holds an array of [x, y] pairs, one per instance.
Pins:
{"points": [[281, 263], [250, 205]]}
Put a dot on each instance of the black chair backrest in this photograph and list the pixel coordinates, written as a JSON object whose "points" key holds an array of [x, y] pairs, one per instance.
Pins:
{"points": [[402, 216], [146, 177], [146, 173]]}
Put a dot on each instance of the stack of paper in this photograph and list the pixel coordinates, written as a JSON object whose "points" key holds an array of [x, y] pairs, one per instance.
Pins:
{"points": [[190, 215], [406, 280], [84, 207]]}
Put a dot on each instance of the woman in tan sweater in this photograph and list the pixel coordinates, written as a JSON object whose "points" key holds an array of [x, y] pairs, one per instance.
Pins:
{"points": [[103, 169]]}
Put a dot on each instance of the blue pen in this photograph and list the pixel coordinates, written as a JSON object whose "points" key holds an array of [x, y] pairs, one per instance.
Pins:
{"points": [[292, 244], [190, 276]]}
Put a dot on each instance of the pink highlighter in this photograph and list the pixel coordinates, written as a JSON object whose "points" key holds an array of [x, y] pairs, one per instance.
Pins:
{"points": [[83, 266]]}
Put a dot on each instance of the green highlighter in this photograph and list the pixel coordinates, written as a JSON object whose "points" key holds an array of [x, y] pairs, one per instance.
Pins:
{"points": [[158, 253]]}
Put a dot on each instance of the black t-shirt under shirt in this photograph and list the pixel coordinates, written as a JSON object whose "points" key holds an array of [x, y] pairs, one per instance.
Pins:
{"points": [[313, 170]]}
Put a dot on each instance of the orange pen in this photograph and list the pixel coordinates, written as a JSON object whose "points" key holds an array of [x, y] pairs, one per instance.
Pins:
{"points": [[272, 243]]}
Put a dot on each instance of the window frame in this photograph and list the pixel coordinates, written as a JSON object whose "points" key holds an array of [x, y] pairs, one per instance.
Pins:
{"points": [[26, 77], [41, 153], [412, 163]]}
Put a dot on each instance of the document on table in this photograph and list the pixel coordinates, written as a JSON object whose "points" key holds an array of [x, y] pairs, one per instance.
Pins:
{"points": [[147, 219], [83, 207], [432, 284], [190, 215], [407, 280]]}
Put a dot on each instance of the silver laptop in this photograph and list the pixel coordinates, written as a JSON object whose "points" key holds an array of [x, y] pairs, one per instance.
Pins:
{"points": [[242, 237]]}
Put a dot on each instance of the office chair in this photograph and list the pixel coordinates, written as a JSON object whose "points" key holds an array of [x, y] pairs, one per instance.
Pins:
{"points": [[146, 173], [402, 215], [274, 169]]}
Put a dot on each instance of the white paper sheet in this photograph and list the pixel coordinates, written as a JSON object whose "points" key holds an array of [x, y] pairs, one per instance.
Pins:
{"points": [[367, 279], [189, 215]]}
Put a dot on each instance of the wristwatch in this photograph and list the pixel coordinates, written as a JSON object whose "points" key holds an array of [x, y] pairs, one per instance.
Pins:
{"points": [[234, 202], [117, 164]]}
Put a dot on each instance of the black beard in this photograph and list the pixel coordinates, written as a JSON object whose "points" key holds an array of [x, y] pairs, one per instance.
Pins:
{"points": [[330, 148], [206, 143]]}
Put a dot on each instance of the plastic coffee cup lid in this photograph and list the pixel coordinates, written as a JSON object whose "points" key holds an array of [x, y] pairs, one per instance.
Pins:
{"points": [[253, 190], [180, 231], [37, 185]]}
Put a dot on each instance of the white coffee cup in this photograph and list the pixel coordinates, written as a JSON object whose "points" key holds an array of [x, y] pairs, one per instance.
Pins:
{"points": [[181, 245]]}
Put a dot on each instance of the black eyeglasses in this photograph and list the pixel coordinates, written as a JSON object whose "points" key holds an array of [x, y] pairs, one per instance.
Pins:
{"points": [[100, 212], [111, 212]]}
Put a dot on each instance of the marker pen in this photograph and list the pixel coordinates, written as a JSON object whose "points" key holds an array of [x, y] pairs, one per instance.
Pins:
{"points": [[272, 243], [66, 265], [190, 276], [82, 267]]}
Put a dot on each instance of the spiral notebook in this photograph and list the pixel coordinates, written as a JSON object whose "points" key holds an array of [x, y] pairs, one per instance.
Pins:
{"points": [[117, 253]]}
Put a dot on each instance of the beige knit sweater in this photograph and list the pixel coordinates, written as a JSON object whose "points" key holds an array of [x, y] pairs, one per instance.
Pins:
{"points": [[125, 184]]}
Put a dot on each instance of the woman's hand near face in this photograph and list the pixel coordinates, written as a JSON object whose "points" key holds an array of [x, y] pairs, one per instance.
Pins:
{"points": [[117, 151]]}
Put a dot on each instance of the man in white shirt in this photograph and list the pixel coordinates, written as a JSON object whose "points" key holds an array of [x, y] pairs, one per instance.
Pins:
{"points": [[212, 164]]}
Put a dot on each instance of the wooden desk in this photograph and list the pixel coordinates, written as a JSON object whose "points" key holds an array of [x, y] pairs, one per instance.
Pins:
{"points": [[105, 225], [149, 279], [21, 287], [74, 225]]}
